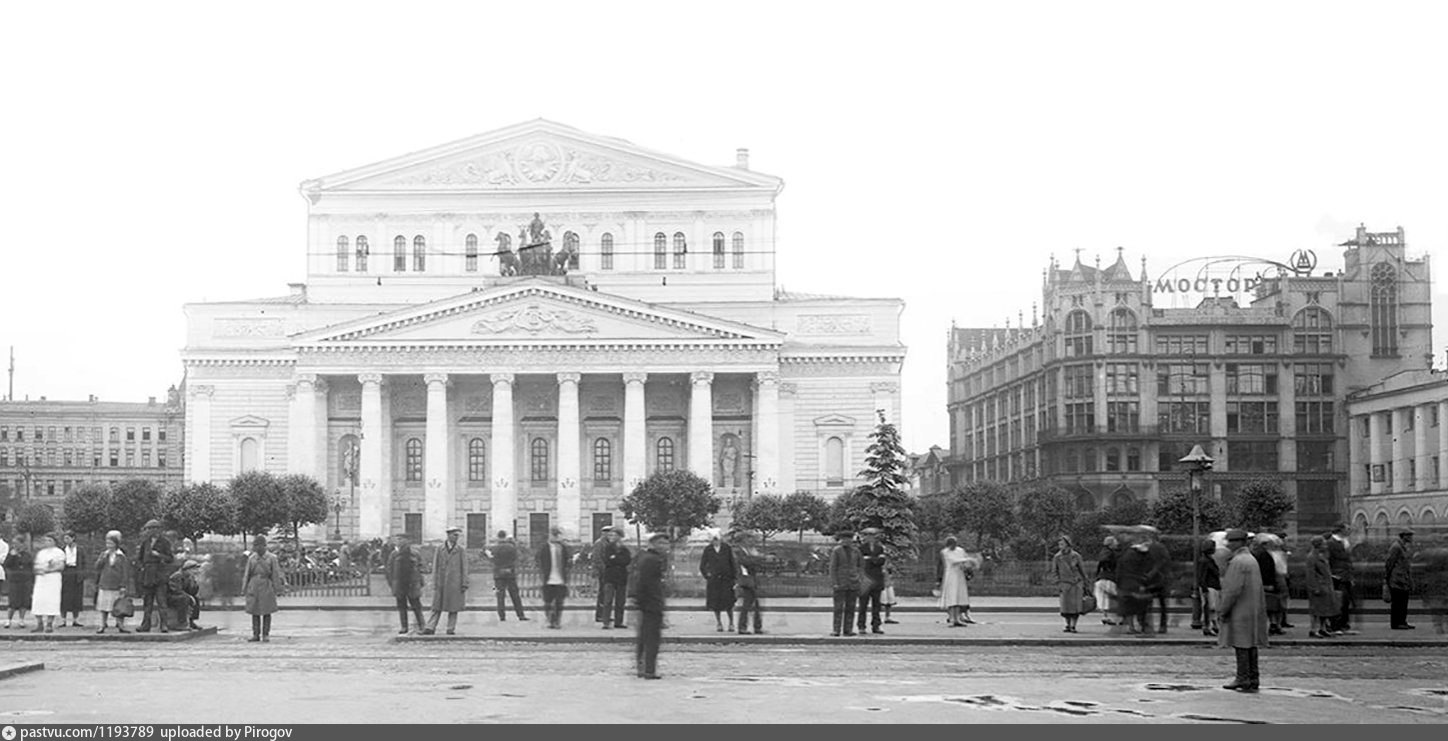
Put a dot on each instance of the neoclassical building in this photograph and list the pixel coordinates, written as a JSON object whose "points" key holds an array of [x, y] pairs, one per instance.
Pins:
{"points": [[510, 331], [1398, 443]]}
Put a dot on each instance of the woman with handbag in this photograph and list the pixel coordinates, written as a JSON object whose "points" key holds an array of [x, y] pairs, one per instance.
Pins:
{"points": [[264, 581], [1322, 600], [954, 591], [113, 577], [1070, 576]]}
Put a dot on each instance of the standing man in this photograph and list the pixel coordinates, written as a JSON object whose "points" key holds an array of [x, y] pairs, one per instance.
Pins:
{"points": [[404, 576], [1269, 580], [1243, 612], [717, 567], [449, 583], [505, 575], [553, 564], [595, 557], [1398, 578], [1159, 578], [614, 591], [156, 558], [1339, 561], [746, 582], [845, 579], [872, 564], [647, 593]]}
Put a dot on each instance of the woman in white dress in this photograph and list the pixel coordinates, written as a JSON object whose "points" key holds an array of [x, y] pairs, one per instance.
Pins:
{"points": [[954, 591], [45, 600]]}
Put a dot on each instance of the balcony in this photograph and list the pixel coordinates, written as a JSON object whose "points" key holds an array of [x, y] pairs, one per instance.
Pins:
{"points": [[1046, 437]]}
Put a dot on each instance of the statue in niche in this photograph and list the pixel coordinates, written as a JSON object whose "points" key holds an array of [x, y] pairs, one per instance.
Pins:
{"points": [[729, 462]]}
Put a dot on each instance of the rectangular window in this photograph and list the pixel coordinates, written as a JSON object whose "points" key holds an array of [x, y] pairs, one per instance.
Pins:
{"points": [[69, 456], [477, 530], [1179, 344], [412, 525], [1080, 418], [1251, 416], [1315, 456], [1122, 416], [145, 458], [115, 457], [1252, 455], [130, 458], [1251, 379], [4, 433], [1121, 378], [1412, 473], [69, 434], [1133, 459], [161, 435], [1078, 381], [1312, 379], [1314, 417], [130, 434], [1184, 416], [1181, 379], [145, 434], [1253, 344], [537, 530], [161, 458]]}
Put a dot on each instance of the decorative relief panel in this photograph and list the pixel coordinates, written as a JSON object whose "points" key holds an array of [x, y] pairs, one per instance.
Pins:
{"points": [[851, 324], [539, 162], [478, 404], [729, 402], [248, 328], [346, 401], [602, 403], [664, 399], [533, 318], [538, 402], [409, 401]]}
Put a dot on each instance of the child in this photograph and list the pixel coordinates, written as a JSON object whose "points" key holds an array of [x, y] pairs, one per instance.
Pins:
{"points": [[887, 596]]}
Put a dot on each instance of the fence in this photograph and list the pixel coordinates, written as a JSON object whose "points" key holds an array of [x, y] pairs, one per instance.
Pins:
{"points": [[320, 583]]}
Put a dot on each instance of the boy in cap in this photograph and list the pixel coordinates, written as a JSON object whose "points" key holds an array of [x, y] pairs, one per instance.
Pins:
{"points": [[154, 557]]}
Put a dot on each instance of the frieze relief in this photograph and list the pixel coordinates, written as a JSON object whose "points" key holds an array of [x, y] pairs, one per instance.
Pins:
{"points": [[248, 328], [534, 318], [539, 163], [249, 371], [550, 359], [346, 401], [729, 402], [834, 324]]}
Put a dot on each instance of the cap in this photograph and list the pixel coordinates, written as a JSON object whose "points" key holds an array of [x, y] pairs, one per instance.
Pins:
{"points": [[151, 523], [1236, 535], [871, 531], [191, 564], [658, 536], [114, 534], [454, 529]]}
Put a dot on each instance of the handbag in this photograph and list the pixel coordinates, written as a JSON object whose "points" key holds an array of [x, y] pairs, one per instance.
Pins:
{"points": [[1387, 593], [1088, 604], [123, 607]]}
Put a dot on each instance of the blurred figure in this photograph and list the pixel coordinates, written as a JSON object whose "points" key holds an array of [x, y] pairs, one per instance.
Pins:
{"points": [[1133, 589], [954, 587], [1159, 575], [554, 561], [72, 580], [1277, 548], [1339, 559], [404, 577], [748, 567], [1398, 578], [45, 599], [716, 565], [1268, 568], [1070, 577], [183, 588], [1243, 612], [1322, 600], [1104, 587], [647, 593], [887, 595], [872, 582], [19, 580], [505, 575], [113, 580], [1435, 586], [1209, 583]]}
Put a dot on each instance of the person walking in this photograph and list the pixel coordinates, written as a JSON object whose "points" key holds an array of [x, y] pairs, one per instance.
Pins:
{"points": [[155, 559], [19, 580], [887, 595], [616, 558], [113, 580], [1339, 560], [505, 575], [646, 591], [404, 577], [449, 583], [1398, 579], [716, 565], [1322, 602], [1159, 576], [1104, 587], [954, 586], [554, 561], [1209, 585], [845, 582], [1269, 580], [746, 582], [264, 582], [872, 581], [1133, 593], [45, 599], [72, 580], [4, 554], [1070, 577], [1243, 612]]}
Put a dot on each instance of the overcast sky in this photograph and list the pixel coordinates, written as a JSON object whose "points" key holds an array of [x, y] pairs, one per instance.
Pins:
{"points": [[936, 152]]}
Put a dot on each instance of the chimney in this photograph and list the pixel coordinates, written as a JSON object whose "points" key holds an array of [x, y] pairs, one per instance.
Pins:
{"points": [[92, 398], [741, 158], [151, 401], [299, 290]]}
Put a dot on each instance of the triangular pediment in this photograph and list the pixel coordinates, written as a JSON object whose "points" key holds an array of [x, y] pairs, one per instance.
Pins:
{"points": [[537, 155], [536, 311]]}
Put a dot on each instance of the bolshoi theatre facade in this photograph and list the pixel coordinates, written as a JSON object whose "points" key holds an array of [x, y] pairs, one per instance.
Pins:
{"points": [[512, 330]]}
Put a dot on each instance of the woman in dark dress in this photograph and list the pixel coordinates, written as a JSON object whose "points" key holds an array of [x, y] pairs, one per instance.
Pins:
{"points": [[717, 566], [72, 580], [19, 579]]}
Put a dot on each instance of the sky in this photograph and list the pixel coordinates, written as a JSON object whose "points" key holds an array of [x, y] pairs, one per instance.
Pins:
{"points": [[940, 153]]}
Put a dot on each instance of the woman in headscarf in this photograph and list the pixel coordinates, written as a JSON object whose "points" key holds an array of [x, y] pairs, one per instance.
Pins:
{"points": [[264, 581], [1070, 577], [954, 591], [113, 580], [45, 600], [1322, 601]]}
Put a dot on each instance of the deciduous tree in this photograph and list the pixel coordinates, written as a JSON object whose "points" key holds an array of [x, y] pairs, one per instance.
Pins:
{"points": [[1172, 512], [87, 509], [763, 513], [260, 504], [805, 510], [1262, 505], [35, 519], [987, 511], [133, 503], [674, 502], [197, 509]]}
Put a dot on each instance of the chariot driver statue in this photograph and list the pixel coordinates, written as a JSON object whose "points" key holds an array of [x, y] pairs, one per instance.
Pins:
{"points": [[537, 232]]}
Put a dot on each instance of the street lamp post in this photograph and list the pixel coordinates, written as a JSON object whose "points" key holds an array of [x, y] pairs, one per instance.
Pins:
{"points": [[337, 520], [1198, 464]]}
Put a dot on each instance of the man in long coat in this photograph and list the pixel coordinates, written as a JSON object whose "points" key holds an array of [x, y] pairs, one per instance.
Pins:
{"points": [[845, 581], [616, 558], [449, 583], [404, 576], [155, 558], [1243, 612], [554, 560], [646, 590], [1399, 578], [872, 566]]}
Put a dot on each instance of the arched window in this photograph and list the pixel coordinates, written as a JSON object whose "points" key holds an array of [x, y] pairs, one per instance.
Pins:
{"points": [[419, 254], [602, 461], [738, 250], [681, 250], [248, 454], [349, 459], [477, 460], [1312, 331], [1078, 334], [664, 455], [718, 250], [413, 459], [399, 254], [1405, 519], [344, 255], [538, 460], [605, 252], [1121, 332], [470, 254], [661, 251], [362, 252], [834, 462], [1122, 496], [1360, 523], [1085, 500], [1380, 524], [1384, 314], [570, 244]]}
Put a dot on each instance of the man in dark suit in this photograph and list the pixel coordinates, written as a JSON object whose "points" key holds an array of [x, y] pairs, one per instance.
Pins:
{"points": [[1398, 577], [156, 557], [845, 581], [616, 558], [554, 561], [505, 575], [1339, 562], [872, 565], [748, 568], [647, 593]]}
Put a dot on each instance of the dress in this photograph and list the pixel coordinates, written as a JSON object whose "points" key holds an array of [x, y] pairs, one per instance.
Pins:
{"points": [[717, 567], [20, 579], [954, 589], [262, 578], [45, 601]]}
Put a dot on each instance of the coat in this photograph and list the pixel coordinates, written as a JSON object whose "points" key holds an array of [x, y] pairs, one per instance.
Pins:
{"points": [[404, 573], [1322, 598], [505, 560], [1398, 569], [1070, 578], [1339, 559], [155, 557], [449, 579], [747, 568], [616, 558], [717, 567], [646, 588], [845, 567], [264, 581], [1242, 609], [872, 562], [545, 561], [113, 577]]}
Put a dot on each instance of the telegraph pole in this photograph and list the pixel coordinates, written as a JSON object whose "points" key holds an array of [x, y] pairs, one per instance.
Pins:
{"points": [[10, 392]]}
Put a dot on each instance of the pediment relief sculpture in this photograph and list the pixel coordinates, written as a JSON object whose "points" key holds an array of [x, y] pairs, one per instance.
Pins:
{"points": [[534, 318], [539, 162]]}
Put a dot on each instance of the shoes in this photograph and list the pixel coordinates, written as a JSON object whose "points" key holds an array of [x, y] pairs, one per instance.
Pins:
{"points": [[1404, 626], [1318, 634], [427, 631], [101, 630], [194, 626], [730, 628], [144, 629], [452, 632], [888, 621], [743, 632], [1235, 685], [1288, 625], [835, 634], [1248, 689], [606, 626], [404, 631], [877, 631], [38, 629], [164, 629], [652, 676], [719, 628], [1210, 632], [852, 633], [523, 618], [1274, 631], [254, 639], [122, 630], [266, 639], [967, 621], [758, 632]]}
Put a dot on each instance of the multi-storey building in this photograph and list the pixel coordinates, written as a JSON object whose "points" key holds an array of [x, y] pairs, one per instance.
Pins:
{"points": [[1113, 385], [1397, 445], [48, 448]]}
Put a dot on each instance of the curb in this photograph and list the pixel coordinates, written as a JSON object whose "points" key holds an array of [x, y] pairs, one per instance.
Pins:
{"points": [[822, 609], [798, 640], [15, 670], [176, 636]]}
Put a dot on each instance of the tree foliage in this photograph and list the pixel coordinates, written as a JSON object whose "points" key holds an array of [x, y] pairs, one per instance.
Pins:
{"points": [[882, 502], [260, 504], [35, 519], [197, 509], [987, 511], [672, 502], [1262, 505], [1089, 527], [805, 510], [1172, 512], [87, 509], [133, 503], [1045, 512], [304, 502], [763, 513], [938, 515]]}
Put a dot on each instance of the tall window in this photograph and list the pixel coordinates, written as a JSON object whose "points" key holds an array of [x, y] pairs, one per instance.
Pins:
{"points": [[248, 454], [1312, 332], [344, 254], [661, 251], [738, 250], [414, 459], [1314, 379], [570, 244], [681, 250], [1251, 416], [1244, 378], [1384, 311], [718, 250], [664, 455], [1080, 418], [1181, 378], [419, 254], [1078, 334], [1121, 332], [362, 252], [1121, 378], [834, 462], [1122, 416], [477, 460], [602, 461], [538, 460], [470, 253], [1184, 416], [1314, 417], [1079, 381], [605, 252], [399, 254]]}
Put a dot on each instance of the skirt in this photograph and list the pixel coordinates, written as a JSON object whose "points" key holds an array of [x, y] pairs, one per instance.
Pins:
{"points": [[72, 591], [45, 601], [887, 595], [105, 598], [719, 595], [21, 589]]}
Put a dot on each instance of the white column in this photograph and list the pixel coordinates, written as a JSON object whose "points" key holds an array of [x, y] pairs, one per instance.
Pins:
{"points": [[200, 440], [437, 502], [320, 460], [1421, 450], [701, 425], [1443, 444], [788, 476], [372, 521], [302, 438], [635, 454], [1401, 436], [1376, 481], [766, 441], [569, 495], [505, 493]]}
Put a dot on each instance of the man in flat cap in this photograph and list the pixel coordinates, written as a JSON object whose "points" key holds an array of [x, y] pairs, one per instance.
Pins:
{"points": [[449, 582], [1398, 578], [872, 581], [646, 591], [182, 590], [845, 579], [155, 557], [616, 557], [1243, 612]]}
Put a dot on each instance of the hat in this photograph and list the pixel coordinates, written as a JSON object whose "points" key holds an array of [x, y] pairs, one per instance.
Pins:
{"points": [[454, 529], [191, 564], [658, 536], [871, 531], [844, 534], [1236, 535], [116, 534], [1209, 546], [151, 523]]}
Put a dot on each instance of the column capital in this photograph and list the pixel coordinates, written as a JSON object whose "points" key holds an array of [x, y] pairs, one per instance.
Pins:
{"points": [[309, 379], [203, 390], [701, 377], [366, 378], [431, 378], [762, 378], [635, 378], [569, 378], [321, 386], [498, 378]]}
